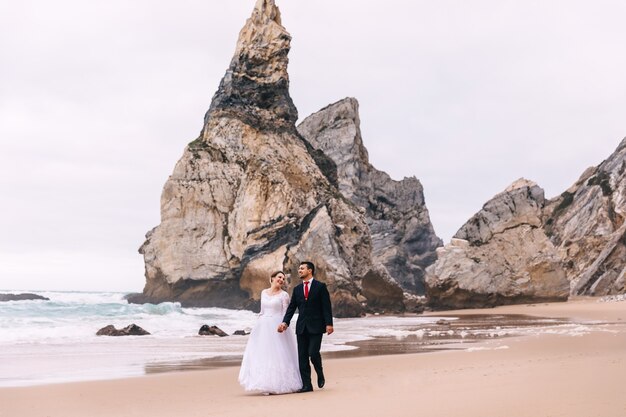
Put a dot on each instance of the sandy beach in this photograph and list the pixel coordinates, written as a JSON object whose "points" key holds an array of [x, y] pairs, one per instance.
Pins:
{"points": [[545, 375]]}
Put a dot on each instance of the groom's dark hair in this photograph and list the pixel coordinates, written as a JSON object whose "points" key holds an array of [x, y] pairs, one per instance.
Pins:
{"points": [[309, 265]]}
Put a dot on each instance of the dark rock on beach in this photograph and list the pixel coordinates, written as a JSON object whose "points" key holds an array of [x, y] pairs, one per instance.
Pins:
{"points": [[134, 298], [130, 330], [241, 333], [207, 330], [22, 297]]}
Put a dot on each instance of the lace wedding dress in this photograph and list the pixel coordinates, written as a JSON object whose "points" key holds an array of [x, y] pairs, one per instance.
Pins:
{"points": [[270, 361]]}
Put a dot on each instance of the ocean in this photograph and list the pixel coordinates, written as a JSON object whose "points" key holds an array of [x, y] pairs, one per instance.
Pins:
{"points": [[55, 341]]}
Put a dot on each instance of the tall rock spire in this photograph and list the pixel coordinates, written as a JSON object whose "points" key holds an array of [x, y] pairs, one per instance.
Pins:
{"points": [[251, 196], [255, 88], [266, 9]]}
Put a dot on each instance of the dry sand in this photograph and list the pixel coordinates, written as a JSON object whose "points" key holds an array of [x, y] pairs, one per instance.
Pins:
{"points": [[539, 376]]}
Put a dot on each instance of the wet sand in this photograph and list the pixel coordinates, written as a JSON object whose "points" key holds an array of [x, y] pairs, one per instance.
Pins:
{"points": [[576, 366], [450, 332]]}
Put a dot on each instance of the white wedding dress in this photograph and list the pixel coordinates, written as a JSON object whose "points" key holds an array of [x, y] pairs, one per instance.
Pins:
{"points": [[270, 361]]}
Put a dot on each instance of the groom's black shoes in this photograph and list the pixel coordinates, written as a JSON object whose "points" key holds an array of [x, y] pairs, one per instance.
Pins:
{"points": [[320, 380], [306, 389]]}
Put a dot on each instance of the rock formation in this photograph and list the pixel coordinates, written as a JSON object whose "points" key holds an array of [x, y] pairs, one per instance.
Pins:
{"points": [[254, 194], [22, 297], [250, 195], [503, 255], [403, 238], [500, 256], [130, 330], [207, 330], [586, 223]]}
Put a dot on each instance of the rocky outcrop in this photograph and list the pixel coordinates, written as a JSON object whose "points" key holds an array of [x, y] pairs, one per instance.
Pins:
{"points": [[519, 247], [402, 235], [586, 223], [253, 194], [500, 256], [250, 196], [22, 297], [207, 330], [130, 330]]}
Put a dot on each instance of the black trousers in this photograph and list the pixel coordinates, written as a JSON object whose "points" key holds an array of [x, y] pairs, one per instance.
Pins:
{"points": [[309, 348]]}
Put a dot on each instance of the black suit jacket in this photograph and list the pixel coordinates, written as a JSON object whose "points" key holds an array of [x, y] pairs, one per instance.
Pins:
{"points": [[315, 313]]}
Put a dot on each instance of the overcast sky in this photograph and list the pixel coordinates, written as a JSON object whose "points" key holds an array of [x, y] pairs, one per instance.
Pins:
{"points": [[99, 98]]}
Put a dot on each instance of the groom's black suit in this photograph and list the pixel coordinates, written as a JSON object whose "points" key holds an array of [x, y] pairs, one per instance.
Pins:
{"points": [[315, 313]]}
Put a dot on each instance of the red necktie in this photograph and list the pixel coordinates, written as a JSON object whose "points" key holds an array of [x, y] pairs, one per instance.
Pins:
{"points": [[306, 290]]}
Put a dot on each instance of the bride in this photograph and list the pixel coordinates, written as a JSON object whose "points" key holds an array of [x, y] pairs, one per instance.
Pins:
{"points": [[270, 361]]}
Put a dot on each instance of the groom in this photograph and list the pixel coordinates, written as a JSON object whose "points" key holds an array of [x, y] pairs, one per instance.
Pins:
{"points": [[315, 318]]}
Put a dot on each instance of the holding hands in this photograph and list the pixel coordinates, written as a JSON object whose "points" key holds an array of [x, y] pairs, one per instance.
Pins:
{"points": [[283, 326]]}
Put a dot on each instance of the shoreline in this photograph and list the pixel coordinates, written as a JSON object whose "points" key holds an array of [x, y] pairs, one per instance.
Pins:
{"points": [[46, 364], [432, 338], [532, 375], [386, 335]]}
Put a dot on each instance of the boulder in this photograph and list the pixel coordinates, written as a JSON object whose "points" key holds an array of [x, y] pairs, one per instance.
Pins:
{"points": [[130, 330], [207, 330]]}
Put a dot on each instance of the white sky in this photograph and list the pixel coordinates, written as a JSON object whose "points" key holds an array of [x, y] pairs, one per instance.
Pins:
{"points": [[98, 100]]}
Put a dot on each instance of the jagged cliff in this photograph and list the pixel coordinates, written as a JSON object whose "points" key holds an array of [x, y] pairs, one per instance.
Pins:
{"points": [[253, 194], [500, 256], [250, 195], [586, 223], [522, 248], [402, 235]]}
